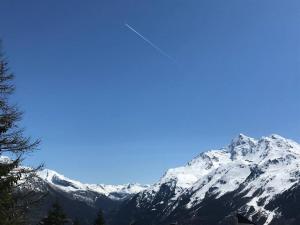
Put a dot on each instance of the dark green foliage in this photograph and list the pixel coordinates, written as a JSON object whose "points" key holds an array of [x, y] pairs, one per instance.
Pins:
{"points": [[9, 214], [100, 218], [76, 222], [56, 216], [14, 144]]}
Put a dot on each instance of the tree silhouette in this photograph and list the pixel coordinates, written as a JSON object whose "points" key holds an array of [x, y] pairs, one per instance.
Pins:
{"points": [[100, 218], [13, 143], [76, 222], [56, 216]]}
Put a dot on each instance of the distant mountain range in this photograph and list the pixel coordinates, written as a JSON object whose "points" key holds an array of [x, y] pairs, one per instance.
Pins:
{"points": [[72, 187], [259, 179], [80, 201]]}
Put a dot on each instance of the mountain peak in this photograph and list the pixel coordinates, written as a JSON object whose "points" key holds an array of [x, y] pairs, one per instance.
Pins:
{"points": [[5, 159], [241, 140], [276, 136]]}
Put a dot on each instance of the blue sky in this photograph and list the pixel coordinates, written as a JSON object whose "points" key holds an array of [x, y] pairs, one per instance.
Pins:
{"points": [[111, 109]]}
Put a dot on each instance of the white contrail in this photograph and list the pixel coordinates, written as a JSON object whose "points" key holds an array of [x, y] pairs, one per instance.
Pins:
{"points": [[149, 42]]}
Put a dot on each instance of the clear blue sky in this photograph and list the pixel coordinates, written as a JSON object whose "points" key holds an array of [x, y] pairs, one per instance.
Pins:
{"points": [[111, 109]]}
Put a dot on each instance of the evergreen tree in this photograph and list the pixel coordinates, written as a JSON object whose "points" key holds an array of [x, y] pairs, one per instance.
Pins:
{"points": [[76, 222], [14, 144], [100, 218], [56, 216]]}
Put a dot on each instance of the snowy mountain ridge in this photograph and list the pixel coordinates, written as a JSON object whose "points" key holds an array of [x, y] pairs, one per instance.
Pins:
{"points": [[259, 178], [258, 170], [64, 184], [116, 192]]}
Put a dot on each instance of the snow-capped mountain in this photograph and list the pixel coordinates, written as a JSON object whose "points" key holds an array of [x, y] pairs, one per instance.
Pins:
{"points": [[248, 175], [64, 184], [4, 159], [79, 200], [257, 178]]}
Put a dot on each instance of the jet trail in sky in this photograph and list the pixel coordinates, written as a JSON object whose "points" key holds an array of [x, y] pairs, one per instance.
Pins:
{"points": [[149, 42]]}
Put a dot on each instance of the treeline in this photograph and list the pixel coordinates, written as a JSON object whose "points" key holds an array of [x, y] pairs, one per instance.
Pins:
{"points": [[56, 216]]}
